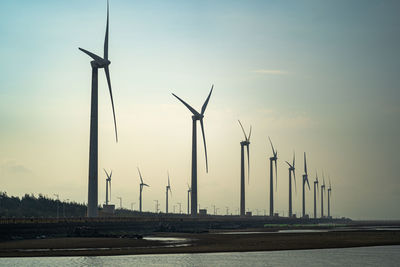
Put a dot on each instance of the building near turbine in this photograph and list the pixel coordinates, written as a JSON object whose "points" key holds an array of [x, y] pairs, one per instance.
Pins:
{"points": [[202, 212]]}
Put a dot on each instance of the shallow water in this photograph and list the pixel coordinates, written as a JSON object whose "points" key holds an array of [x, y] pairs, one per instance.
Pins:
{"points": [[363, 256]]}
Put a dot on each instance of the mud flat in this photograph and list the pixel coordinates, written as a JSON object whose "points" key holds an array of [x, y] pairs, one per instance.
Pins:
{"points": [[252, 240]]}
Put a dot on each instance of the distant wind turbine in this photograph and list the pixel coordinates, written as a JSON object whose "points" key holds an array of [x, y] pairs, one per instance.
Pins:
{"points": [[141, 189], [305, 179], [196, 117], [316, 188], [291, 169], [188, 198], [97, 63], [168, 188], [329, 198], [271, 189], [245, 143], [108, 184], [322, 196]]}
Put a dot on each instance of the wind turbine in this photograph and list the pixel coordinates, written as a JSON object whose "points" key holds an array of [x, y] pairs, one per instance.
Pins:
{"points": [[245, 143], [141, 189], [196, 117], [291, 169], [97, 63], [271, 189], [316, 187], [188, 201], [168, 188], [329, 198], [108, 184], [305, 179], [322, 196]]}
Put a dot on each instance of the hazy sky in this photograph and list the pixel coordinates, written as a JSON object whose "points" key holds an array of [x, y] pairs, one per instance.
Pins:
{"points": [[315, 76]]}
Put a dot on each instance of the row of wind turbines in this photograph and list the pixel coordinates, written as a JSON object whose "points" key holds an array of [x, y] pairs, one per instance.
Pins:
{"points": [[92, 211]]}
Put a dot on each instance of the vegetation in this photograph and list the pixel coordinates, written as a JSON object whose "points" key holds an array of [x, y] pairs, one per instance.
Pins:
{"points": [[41, 206]]}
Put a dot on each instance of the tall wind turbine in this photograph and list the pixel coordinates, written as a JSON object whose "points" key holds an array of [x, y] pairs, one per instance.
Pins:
{"points": [[245, 143], [196, 117], [168, 188], [271, 188], [97, 63], [305, 179], [291, 169], [141, 189], [188, 200], [316, 188], [108, 184], [329, 198], [322, 196]]}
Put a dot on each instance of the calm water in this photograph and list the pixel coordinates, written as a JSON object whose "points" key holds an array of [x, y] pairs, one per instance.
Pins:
{"points": [[365, 256]]}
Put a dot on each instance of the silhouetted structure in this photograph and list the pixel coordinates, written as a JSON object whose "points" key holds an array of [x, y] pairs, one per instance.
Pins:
{"points": [[97, 63], [291, 169], [168, 188], [271, 181], [315, 195], [329, 198], [322, 196], [196, 117], [108, 184], [305, 179], [141, 189], [245, 143]]}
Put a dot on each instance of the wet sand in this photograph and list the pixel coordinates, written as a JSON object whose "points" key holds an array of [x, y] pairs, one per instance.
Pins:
{"points": [[197, 243]]}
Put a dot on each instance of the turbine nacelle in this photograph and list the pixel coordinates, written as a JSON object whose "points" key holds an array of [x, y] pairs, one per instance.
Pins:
{"points": [[198, 117]]}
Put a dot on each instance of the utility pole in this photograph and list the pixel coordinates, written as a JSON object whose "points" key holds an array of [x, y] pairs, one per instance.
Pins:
{"points": [[180, 207], [157, 205], [120, 202], [64, 206], [58, 202]]}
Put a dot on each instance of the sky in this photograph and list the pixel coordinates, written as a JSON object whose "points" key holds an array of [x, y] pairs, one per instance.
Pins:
{"points": [[320, 77]]}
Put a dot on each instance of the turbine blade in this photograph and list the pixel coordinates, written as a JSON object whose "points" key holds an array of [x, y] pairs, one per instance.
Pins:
{"points": [[90, 54], [288, 164], [249, 134], [106, 38], [245, 136], [112, 101], [140, 175], [294, 177], [305, 163], [203, 108], [168, 179], [106, 173], [308, 183], [293, 158], [273, 150], [248, 163], [204, 140], [187, 105]]}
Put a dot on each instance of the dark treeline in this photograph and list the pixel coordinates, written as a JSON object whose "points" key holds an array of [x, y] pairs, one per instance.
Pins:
{"points": [[40, 206]]}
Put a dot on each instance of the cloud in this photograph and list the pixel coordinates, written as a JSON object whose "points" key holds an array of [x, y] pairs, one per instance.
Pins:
{"points": [[271, 72]]}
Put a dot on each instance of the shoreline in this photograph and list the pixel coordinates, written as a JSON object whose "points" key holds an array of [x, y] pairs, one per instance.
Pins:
{"points": [[197, 243]]}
